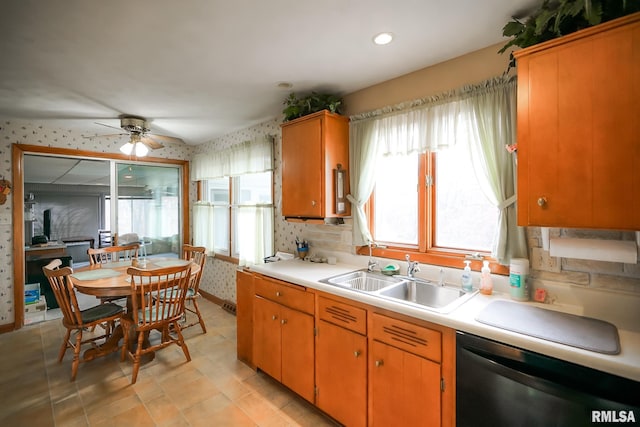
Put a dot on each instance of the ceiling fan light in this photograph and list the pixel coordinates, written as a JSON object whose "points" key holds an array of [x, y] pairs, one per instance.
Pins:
{"points": [[127, 148], [141, 150]]}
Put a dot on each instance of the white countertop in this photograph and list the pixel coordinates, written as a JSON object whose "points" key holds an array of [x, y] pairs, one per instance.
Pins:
{"points": [[626, 364]]}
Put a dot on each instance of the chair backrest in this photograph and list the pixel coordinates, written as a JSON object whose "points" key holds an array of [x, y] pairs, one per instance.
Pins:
{"points": [[104, 238], [170, 282], [62, 287], [197, 254], [113, 253]]}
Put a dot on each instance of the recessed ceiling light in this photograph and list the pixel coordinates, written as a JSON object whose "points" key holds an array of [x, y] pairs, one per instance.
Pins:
{"points": [[383, 38], [285, 85]]}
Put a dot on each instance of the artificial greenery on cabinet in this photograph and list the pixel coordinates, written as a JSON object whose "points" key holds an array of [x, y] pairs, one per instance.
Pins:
{"points": [[556, 18], [312, 103]]}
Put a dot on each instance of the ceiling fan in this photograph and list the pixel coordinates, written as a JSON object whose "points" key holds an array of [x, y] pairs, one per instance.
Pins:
{"points": [[140, 139]]}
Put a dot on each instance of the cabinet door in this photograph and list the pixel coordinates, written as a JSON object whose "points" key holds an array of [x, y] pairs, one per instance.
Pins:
{"points": [[302, 169], [297, 352], [579, 162], [341, 374], [404, 389], [245, 293], [266, 336]]}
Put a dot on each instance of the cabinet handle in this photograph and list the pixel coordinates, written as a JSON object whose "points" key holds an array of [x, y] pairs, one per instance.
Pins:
{"points": [[283, 321], [274, 317], [278, 293], [542, 201], [379, 363], [357, 353], [313, 203]]}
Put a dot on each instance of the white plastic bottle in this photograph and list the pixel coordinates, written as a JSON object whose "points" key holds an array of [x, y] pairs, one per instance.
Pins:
{"points": [[486, 283], [467, 281]]}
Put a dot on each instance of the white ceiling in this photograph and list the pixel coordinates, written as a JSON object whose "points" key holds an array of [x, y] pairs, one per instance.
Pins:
{"points": [[200, 69]]}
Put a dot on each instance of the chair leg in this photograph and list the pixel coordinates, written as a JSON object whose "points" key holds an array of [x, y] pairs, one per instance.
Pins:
{"points": [[125, 342], [181, 342], [76, 355], [200, 319], [65, 344], [136, 358]]}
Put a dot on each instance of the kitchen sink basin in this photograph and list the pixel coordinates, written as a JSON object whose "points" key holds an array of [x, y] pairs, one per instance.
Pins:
{"points": [[363, 281], [427, 294], [402, 289]]}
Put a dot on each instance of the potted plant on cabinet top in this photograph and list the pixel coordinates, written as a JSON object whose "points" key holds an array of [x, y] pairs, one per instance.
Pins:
{"points": [[298, 107], [556, 18]]}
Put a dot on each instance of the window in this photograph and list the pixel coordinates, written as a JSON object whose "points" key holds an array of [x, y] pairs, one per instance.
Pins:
{"points": [[234, 216], [445, 212], [456, 199], [239, 203]]}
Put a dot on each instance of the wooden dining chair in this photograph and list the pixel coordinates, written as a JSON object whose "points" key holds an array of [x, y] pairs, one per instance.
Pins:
{"points": [[113, 253], [198, 255], [104, 239], [74, 319], [149, 313]]}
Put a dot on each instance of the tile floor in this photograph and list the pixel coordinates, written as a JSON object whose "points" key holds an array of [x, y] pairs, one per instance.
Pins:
{"points": [[214, 389]]}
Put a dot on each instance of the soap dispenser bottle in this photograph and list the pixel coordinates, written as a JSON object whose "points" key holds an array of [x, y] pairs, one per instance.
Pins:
{"points": [[486, 283], [467, 281]]}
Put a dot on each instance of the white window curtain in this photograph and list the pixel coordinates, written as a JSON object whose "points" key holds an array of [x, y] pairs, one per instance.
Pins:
{"points": [[203, 226], [492, 114], [256, 233], [244, 158], [437, 122]]}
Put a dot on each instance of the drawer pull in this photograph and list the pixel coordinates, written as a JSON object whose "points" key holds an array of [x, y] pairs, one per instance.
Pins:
{"points": [[278, 293]]}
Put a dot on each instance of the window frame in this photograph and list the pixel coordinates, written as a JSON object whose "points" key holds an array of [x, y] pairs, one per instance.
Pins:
{"points": [[233, 204], [426, 252]]}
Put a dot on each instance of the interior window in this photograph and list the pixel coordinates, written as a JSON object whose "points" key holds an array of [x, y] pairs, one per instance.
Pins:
{"points": [[396, 195], [237, 201], [217, 193], [444, 212], [465, 219]]}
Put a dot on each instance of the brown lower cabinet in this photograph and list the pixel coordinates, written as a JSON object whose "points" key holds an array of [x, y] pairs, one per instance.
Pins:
{"points": [[361, 365]]}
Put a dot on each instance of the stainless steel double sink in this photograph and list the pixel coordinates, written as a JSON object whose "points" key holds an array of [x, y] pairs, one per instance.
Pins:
{"points": [[411, 291]]}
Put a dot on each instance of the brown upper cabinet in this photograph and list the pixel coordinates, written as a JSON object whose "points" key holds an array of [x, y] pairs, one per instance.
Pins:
{"points": [[578, 129], [314, 149]]}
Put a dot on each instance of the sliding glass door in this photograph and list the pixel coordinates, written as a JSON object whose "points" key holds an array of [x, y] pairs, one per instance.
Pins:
{"points": [[148, 208]]}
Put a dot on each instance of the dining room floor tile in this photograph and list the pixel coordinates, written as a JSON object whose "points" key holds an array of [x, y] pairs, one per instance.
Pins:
{"points": [[213, 389]]}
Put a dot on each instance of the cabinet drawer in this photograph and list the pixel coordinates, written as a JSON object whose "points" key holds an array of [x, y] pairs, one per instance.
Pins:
{"points": [[416, 339], [344, 315], [286, 294]]}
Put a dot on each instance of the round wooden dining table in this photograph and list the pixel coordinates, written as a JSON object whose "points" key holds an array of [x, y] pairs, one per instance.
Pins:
{"points": [[111, 280]]}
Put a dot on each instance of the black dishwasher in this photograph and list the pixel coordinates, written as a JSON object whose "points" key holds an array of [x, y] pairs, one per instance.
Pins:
{"points": [[500, 385]]}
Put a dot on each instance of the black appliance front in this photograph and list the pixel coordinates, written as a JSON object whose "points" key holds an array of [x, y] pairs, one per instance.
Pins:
{"points": [[500, 385]]}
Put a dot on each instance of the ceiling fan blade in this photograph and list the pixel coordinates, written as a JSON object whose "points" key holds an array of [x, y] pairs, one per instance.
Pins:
{"points": [[104, 136], [109, 126], [149, 142], [164, 138]]}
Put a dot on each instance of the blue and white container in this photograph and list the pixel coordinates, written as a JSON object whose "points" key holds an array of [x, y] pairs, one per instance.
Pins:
{"points": [[519, 279]]}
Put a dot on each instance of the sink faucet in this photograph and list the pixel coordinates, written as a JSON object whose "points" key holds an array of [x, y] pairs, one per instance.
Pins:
{"points": [[412, 266], [372, 262]]}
